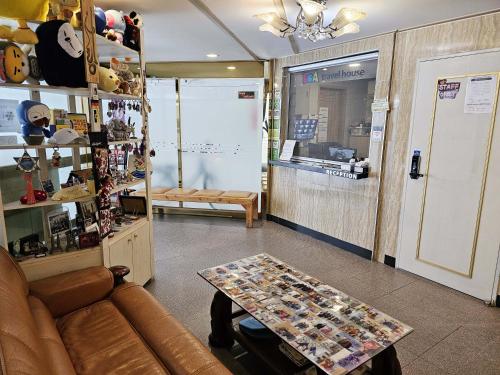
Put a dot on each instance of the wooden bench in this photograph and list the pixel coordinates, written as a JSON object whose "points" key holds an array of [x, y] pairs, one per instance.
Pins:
{"points": [[248, 200]]}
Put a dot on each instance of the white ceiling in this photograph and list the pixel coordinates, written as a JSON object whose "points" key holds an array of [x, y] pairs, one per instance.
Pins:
{"points": [[175, 30]]}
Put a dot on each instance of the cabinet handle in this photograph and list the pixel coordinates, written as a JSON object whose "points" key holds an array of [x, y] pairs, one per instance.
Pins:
{"points": [[130, 240], [136, 235]]}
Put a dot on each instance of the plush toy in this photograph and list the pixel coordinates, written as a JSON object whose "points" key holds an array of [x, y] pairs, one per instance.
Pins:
{"points": [[22, 11], [60, 54], [100, 20], [34, 118], [126, 77], [14, 65], [108, 80], [65, 10], [115, 24], [132, 36]]}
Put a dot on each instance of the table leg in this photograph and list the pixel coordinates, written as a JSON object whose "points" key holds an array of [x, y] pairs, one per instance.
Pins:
{"points": [[386, 363], [221, 321]]}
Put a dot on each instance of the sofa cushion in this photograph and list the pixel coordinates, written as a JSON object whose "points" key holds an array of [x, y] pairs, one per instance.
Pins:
{"points": [[179, 350], [55, 352], [99, 340]]}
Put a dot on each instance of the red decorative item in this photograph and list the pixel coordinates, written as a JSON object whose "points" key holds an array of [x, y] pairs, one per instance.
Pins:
{"points": [[30, 193], [40, 195]]}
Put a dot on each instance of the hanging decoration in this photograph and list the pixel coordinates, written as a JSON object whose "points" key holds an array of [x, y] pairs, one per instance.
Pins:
{"points": [[56, 158]]}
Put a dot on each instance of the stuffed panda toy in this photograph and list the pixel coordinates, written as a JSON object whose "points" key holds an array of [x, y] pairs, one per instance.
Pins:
{"points": [[60, 54], [34, 118]]}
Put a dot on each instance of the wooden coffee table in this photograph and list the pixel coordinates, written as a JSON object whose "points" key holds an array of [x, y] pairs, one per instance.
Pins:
{"points": [[334, 331]]}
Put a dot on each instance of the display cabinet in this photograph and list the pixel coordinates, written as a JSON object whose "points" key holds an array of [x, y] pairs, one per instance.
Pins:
{"points": [[130, 242]]}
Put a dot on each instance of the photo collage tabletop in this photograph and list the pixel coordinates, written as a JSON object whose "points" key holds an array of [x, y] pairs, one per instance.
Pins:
{"points": [[336, 332]]}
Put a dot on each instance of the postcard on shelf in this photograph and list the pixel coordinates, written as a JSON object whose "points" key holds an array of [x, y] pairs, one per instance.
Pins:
{"points": [[79, 122]]}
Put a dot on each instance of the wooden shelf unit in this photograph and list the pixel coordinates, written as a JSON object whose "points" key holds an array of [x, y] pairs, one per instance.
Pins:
{"points": [[103, 50]]}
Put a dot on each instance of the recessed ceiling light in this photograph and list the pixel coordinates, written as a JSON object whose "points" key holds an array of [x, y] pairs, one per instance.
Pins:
{"points": [[325, 68], [212, 55], [355, 65], [231, 68]]}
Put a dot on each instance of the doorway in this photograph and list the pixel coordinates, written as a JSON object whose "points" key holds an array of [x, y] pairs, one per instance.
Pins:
{"points": [[451, 206]]}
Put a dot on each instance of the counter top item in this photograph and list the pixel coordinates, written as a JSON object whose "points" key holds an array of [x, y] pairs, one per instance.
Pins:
{"points": [[337, 172]]}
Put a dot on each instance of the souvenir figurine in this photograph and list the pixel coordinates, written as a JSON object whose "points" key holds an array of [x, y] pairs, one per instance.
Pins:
{"points": [[14, 65], [56, 158], [34, 118], [28, 165], [60, 54]]}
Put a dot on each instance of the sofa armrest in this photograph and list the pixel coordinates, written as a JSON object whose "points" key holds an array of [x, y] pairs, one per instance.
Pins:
{"points": [[71, 291], [177, 348], [119, 272]]}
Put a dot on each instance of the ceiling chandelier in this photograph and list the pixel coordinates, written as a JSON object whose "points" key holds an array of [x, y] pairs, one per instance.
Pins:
{"points": [[310, 22]]}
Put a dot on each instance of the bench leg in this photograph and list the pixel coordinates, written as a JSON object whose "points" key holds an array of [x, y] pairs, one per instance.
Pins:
{"points": [[249, 214], [255, 208]]}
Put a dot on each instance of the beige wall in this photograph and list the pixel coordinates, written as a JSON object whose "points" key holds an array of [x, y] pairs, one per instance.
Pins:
{"points": [[347, 209], [341, 208]]}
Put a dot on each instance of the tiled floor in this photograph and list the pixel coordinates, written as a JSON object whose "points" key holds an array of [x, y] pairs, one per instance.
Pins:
{"points": [[454, 333]]}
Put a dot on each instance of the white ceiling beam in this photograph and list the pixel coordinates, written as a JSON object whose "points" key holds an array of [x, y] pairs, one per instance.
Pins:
{"points": [[200, 5]]}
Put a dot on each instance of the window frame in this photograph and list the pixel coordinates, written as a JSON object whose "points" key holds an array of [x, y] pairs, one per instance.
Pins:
{"points": [[287, 77]]}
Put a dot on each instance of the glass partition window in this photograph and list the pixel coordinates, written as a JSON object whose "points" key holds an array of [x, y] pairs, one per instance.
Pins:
{"points": [[330, 109]]}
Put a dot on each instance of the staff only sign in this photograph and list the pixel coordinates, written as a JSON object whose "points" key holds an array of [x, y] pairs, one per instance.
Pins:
{"points": [[347, 72]]}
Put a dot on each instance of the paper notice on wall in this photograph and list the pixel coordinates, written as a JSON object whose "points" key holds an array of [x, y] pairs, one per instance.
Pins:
{"points": [[8, 117], [323, 124], [378, 125], [287, 151], [480, 94]]}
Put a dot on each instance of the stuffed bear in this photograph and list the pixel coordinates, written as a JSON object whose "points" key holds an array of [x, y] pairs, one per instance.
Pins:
{"points": [[14, 65], [22, 11], [60, 54], [115, 24], [34, 118], [100, 20], [108, 80]]}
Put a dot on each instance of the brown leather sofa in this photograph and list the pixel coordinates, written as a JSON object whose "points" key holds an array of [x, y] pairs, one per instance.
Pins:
{"points": [[80, 323]]}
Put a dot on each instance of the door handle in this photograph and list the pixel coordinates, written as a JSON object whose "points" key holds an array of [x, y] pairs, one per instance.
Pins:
{"points": [[415, 166]]}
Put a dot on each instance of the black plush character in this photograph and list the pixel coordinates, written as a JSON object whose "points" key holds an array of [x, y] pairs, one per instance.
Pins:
{"points": [[60, 54]]}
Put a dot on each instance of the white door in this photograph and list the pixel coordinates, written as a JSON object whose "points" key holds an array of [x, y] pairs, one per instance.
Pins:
{"points": [[450, 223]]}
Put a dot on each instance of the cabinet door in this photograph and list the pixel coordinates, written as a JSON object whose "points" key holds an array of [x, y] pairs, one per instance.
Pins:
{"points": [[142, 255], [121, 254]]}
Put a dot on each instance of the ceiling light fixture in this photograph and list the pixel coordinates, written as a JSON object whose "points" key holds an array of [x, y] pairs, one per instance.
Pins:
{"points": [[231, 68], [212, 55], [354, 65], [309, 24]]}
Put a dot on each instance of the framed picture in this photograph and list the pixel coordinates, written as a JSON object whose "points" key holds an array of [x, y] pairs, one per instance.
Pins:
{"points": [[88, 211], [59, 222]]}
